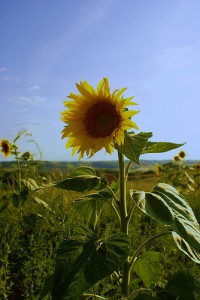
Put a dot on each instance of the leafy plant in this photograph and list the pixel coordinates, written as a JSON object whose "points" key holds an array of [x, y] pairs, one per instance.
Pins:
{"points": [[83, 262]]}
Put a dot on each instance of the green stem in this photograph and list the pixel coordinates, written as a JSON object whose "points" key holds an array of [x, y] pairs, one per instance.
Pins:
{"points": [[122, 204], [114, 203], [18, 169], [130, 213], [93, 295], [127, 168], [124, 223], [134, 257], [116, 211], [113, 194], [138, 292]]}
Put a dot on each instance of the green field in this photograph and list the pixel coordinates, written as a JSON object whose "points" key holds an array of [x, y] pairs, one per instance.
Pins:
{"points": [[33, 224]]}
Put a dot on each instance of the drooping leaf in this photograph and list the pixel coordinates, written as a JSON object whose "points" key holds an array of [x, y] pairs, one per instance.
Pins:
{"points": [[166, 206], [186, 248], [133, 145], [159, 147], [81, 183]]}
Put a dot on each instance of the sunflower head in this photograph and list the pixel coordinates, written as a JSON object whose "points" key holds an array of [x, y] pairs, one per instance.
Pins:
{"points": [[96, 118], [182, 154], [6, 147], [176, 158], [197, 166]]}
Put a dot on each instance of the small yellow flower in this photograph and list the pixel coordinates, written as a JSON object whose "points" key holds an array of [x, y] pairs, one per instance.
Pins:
{"points": [[6, 147], [96, 118], [182, 154], [158, 169]]}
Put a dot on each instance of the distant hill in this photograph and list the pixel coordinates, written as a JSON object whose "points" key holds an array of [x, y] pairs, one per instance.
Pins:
{"points": [[110, 164]]}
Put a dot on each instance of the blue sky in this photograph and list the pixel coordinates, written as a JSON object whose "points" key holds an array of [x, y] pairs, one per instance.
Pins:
{"points": [[152, 47]]}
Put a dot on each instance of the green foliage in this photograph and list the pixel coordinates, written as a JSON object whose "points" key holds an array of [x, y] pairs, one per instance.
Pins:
{"points": [[137, 144], [82, 264], [184, 286], [100, 244], [177, 173], [181, 286], [147, 267], [159, 147], [90, 207], [83, 171], [133, 145], [81, 183], [166, 206]]}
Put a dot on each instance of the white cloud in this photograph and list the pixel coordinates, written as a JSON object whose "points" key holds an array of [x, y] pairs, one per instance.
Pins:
{"points": [[33, 100], [34, 88]]}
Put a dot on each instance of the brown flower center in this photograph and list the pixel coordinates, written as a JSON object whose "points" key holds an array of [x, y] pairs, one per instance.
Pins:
{"points": [[5, 147], [101, 119]]}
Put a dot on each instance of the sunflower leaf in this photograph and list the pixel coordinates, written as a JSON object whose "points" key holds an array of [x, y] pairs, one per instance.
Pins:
{"points": [[134, 145], [166, 206], [81, 183], [83, 171], [159, 147], [80, 265], [147, 267], [89, 207]]}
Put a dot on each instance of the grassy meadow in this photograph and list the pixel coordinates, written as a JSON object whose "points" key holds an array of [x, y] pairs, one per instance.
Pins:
{"points": [[33, 224]]}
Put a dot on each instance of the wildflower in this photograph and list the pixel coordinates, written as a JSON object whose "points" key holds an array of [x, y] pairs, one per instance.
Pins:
{"points": [[176, 158], [182, 154], [6, 147], [96, 118], [158, 169]]}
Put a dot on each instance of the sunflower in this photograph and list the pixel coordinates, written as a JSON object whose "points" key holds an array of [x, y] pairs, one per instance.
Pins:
{"points": [[197, 166], [96, 118], [6, 147], [176, 158], [182, 154]]}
